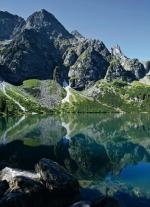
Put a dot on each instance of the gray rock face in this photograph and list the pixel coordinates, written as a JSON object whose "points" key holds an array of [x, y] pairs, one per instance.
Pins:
{"points": [[91, 64], [29, 55], [117, 72], [70, 57], [133, 65], [9, 25], [34, 52], [46, 22]]}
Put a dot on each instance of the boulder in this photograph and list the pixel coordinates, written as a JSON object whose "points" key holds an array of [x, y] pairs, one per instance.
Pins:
{"points": [[56, 178], [9, 174], [22, 192], [50, 186]]}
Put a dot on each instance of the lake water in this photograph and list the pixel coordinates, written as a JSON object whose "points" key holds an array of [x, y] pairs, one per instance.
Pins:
{"points": [[106, 152]]}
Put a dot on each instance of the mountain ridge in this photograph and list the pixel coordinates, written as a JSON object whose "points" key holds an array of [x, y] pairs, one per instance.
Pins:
{"points": [[41, 48], [64, 47]]}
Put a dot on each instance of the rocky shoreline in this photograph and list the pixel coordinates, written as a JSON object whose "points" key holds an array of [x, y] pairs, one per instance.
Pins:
{"points": [[49, 186]]}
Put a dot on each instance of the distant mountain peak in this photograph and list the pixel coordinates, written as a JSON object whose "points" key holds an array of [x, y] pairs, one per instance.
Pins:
{"points": [[116, 51], [9, 25], [47, 21], [6, 14]]}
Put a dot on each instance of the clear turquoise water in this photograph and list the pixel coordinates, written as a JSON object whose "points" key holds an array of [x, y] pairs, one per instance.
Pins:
{"points": [[101, 150]]}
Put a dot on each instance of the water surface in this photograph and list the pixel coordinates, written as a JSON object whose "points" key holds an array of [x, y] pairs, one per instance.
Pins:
{"points": [[102, 150]]}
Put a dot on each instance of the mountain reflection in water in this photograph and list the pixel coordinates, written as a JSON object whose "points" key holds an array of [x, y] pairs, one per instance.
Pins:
{"points": [[101, 150]]}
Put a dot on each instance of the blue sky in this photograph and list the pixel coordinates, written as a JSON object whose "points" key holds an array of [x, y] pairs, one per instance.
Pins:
{"points": [[123, 22]]}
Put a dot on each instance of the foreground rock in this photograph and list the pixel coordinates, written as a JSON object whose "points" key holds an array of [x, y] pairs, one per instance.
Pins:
{"points": [[24, 191], [9, 174], [56, 177], [50, 186]]}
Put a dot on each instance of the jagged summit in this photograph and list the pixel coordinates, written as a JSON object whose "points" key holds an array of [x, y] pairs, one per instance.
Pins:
{"points": [[117, 51], [43, 20]]}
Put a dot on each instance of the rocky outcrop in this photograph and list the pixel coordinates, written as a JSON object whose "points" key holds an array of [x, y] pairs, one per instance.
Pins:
{"points": [[91, 64], [117, 72], [132, 65], [29, 55], [56, 177], [9, 174], [46, 188]]}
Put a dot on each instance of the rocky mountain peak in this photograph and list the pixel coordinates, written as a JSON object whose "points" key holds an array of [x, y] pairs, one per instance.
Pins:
{"points": [[132, 65], [9, 25], [117, 52], [44, 21], [41, 45]]}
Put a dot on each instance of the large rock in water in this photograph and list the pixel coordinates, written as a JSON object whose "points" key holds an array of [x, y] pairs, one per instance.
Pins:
{"points": [[56, 178], [22, 192], [52, 186]]}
